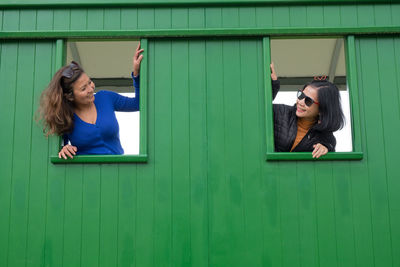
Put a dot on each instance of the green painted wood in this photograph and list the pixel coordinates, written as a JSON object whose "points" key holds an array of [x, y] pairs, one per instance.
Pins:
{"points": [[8, 74], [163, 177], [39, 163], [307, 212], [289, 225], [72, 223], [127, 188], [144, 100], [112, 19], [128, 3], [393, 186], [205, 196], [144, 227], [90, 237], [190, 21], [108, 235], [376, 152], [250, 150], [197, 104], [19, 204], [327, 235], [45, 20], [180, 126], [359, 173], [129, 18], [343, 215], [95, 19]]}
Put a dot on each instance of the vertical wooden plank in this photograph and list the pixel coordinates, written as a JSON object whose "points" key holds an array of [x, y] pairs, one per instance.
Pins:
{"points": [[281, 16], [27, 20], [108, 249], [359, 173], [45, 20], [233, 158], [196, 17], [129, 18], [144, 99], [21, 178], [144, 226], [95, 19], [307, 214], [289, 214], [1, 19], [230, 17], [78, 19], [39, 162], [250, 51], [91, 195], [395, 10], [298, 16], [365, 15], [127, 215], [383, 16], [331, 16], [73, 216], [179, 18], [8, 74], [53, 248], [247, 17], [112, 19], [213, 17], [198, 153], [162, 18], [344, 214], [62, 19], [219, 245], [315, 16], [264, 17], [393, 182], [327, 244], [376, 152], [146, 18], [11, 20], [181, 249], [388, 67], [163, 155], [272, 241], [347, 17]]}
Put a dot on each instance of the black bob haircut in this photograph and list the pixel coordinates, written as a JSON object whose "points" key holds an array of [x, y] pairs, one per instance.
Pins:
{"points": [[331, 116]]}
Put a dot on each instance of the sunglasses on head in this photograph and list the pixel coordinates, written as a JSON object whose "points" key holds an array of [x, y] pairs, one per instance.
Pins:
{"points": [[69, 71], [307, 100]]}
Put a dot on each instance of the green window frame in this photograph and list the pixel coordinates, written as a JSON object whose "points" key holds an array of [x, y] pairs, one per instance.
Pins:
{"points": [[351, 69], [55, 141]]}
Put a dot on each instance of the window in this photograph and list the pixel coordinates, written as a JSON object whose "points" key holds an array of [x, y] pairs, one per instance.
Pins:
{"points": [[109, 64], [297, 61]]}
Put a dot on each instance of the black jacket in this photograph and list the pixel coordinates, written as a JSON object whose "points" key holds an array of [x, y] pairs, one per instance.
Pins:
{"points": [[285, 129]]}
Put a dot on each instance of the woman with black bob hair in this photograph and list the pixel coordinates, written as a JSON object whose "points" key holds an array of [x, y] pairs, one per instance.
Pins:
{"points": [[308, 126]]}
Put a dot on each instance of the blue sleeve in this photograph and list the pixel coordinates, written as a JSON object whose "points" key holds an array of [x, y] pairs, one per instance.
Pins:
{"points": [[123, 103]]}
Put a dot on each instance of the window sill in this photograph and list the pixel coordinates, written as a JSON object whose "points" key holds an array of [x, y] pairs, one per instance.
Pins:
{"points": [[100, 159], [308, 156]]}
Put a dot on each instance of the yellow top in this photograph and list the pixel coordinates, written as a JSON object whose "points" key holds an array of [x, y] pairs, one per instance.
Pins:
{"points": [[303, 126]]}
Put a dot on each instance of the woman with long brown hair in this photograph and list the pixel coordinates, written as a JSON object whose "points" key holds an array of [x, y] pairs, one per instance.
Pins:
{"points": [[87, 122]]}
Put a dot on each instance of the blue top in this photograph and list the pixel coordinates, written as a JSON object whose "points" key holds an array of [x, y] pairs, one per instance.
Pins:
{"points": [[103, 136]]}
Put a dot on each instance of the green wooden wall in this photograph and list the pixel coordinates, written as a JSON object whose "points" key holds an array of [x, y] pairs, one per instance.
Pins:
{"points": [[206, 196], [161, 21]]}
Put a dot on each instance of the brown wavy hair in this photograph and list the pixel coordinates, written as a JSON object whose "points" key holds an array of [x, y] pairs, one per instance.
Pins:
{"points": [[56, 109]]}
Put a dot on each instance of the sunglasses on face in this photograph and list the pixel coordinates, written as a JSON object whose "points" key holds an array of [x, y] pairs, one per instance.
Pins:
{"points": [[69, 71], [307, 100]]}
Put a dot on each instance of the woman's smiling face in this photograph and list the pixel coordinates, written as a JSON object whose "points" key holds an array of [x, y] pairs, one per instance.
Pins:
{"points": [[83, 90], [304, 111]]}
